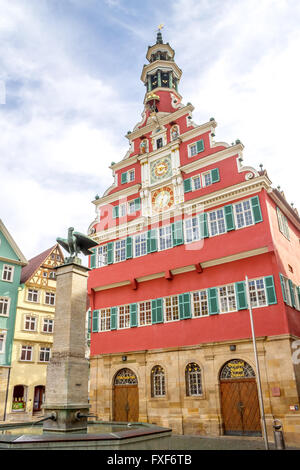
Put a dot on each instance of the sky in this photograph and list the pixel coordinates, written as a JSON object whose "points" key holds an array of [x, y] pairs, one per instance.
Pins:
{"points": [[70, 90]]}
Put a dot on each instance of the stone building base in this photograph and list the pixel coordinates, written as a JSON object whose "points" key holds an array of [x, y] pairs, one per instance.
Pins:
{"points": [[4, 374], [202, 415]]}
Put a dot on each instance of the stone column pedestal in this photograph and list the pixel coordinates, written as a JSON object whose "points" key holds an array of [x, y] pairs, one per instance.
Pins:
{"points": [[68, 370]]}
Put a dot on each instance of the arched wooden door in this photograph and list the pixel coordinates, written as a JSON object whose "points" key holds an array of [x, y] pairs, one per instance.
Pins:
{"points": [[126, 396], [239, 399]]}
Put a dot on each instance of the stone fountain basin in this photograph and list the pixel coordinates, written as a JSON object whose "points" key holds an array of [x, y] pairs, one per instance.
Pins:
{"points": [[100, 435]]}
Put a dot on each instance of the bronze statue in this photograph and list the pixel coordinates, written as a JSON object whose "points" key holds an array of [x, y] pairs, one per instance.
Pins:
{"points": [[76, 243]]}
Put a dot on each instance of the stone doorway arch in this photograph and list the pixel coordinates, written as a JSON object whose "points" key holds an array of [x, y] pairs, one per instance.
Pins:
{"points": [[125, 396], [239, 399]]}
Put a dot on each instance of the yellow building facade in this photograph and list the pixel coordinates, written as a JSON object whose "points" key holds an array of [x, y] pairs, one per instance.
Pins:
{"points": [[33, 336]]}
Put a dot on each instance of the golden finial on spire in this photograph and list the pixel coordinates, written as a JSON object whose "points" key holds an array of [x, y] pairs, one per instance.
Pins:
{"points": [[160, 27]]}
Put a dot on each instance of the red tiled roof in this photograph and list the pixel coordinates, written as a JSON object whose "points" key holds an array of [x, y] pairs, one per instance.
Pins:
{"points": [[33, 265]]}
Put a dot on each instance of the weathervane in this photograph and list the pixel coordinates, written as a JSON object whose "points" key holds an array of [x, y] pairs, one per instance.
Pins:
{"points": [[160, 27]]}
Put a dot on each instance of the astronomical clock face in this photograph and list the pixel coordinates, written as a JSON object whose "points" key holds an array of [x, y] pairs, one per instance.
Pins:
{"points": [[162, 199], [161, 169]]}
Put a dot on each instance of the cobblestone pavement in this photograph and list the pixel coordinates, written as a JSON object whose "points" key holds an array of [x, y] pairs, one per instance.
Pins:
{"points": [[220, 443]]}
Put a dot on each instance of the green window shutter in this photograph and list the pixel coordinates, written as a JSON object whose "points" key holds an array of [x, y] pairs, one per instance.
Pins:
{"points": [[177, 233], [93, 258], [137, 204], [187, 185], [200, 145], [240, 293], [282, 287], [113, 318], [95, 325], [124, 178], [110, 253], [229, 218], [270, 289], [151, 241], [153, 311], [203, 225], [128, 247], [213, 306], [133, 315], [185, 306], [298, 293], [291, 286], [215, 175], [115, 212], [256, 209], [159, 311]]}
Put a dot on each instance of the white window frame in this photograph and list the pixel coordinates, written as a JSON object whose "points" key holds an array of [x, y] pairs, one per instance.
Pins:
{"points": [[165, 238], [32, 320], [216, 222], [146, 313], [193, 229], [123, 210], [192, 381], [8, 270], [44, 352], [121, 250], [104, 319], [203, 175], [256, 290], [124, 314], [243, 212], [283, 224], [27, 349], [173, 307], [232, 294], [131, 207], [287, 291], [129, 178], [190, 151], [5, 302], [198, 177], [48, 297], [101, 256], [142, 244], [46, 323], [33, 291], [200, 302], [3, 334], [158, 382]]}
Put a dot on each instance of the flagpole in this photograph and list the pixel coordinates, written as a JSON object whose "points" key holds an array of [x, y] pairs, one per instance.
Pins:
{"points": [[260, 396]]}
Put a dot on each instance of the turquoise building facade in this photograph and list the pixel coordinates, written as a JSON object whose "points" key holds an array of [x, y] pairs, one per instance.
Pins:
{"points": [[11, 262]]}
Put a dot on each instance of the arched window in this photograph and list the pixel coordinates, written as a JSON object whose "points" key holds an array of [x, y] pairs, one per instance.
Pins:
{"points": [[158, 383], [193, 379], [236, 369], [125, 377]]}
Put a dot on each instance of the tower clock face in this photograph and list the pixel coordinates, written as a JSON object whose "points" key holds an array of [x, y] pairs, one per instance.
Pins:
{"points": [[162, 199], [161, 169]]}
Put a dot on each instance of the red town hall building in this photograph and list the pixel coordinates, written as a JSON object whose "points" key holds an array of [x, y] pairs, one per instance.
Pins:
{"points": [[179, 230]]}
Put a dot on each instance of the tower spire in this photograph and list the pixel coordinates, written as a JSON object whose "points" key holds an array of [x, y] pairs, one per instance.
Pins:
{"points": [[159, 39]]}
